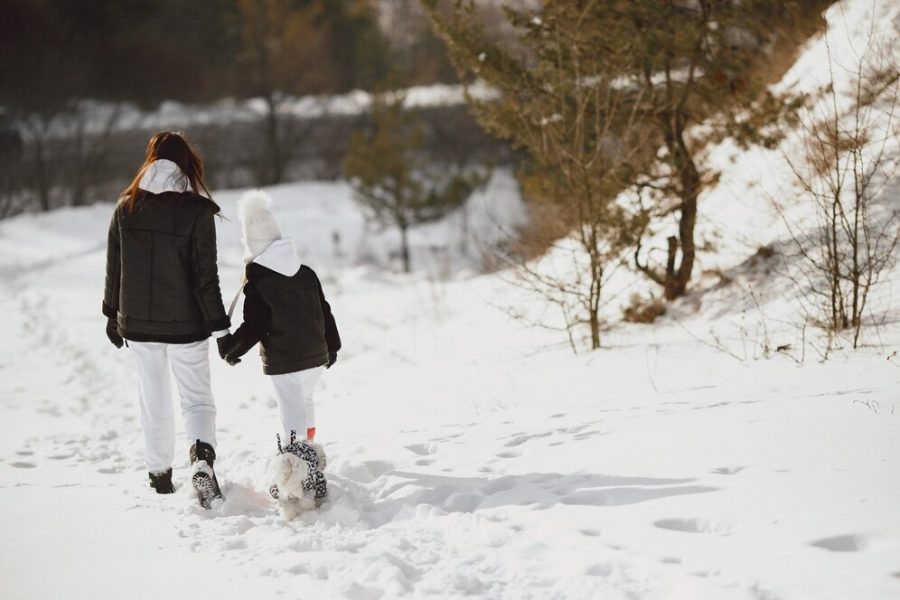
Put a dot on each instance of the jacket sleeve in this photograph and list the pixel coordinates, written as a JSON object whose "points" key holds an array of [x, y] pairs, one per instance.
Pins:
{"points": [[332, 337], [256, 323], [206, 273], [113, 269]]}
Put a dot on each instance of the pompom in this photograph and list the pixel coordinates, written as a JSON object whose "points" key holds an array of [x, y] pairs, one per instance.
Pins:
{"points": [[253, 203]]}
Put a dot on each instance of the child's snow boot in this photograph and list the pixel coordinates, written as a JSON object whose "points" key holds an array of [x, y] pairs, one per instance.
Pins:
{"points": [[301, 483], [203, 476], [162, 482]]}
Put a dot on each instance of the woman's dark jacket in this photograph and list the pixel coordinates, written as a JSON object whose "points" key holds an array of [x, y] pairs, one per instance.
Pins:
{"points": [[162, 282], [288, 314]]}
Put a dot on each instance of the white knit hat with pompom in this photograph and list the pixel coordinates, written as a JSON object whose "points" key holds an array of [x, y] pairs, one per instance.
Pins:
{"points": [[258, 226]]}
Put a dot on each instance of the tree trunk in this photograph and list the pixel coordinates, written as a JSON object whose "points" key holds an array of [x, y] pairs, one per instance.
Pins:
{"points": [[594, 319], [40, 168], [689, 189], [274, 169], [404, 249]]}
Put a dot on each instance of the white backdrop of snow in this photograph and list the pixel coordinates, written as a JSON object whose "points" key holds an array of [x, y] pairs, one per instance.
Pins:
{"points": [[468, 455]]}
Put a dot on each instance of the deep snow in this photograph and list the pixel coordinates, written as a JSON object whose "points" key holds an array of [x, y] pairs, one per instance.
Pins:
{"points": [[468, 455]]}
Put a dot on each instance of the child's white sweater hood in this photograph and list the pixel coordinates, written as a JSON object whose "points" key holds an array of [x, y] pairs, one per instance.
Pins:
{"points": [[281, 257]]}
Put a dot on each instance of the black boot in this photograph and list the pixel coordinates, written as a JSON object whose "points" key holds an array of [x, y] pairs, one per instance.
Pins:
{"points": [[204, 478], [162, 482]]}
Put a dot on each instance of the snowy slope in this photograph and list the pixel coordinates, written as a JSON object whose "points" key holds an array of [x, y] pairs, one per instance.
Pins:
{"points": [[468, 455]]}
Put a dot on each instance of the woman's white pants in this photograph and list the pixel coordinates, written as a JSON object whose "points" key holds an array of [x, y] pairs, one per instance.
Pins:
{"points": [[190, 366], [295, 400]]}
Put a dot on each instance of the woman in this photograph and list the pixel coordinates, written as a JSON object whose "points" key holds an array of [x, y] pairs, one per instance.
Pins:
{"points": [[162, 296]]}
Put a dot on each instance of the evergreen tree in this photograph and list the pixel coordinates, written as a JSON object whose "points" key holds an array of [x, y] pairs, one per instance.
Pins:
{"points": [[389, 173], [557, 98], [680, 63]]}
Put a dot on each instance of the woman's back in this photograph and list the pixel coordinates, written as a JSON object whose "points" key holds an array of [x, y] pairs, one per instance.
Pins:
{"points": [[162, 259], [162, 293]]}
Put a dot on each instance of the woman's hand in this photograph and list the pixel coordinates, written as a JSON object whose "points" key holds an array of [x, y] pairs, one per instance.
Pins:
{"points": [[112, 332], [225, 344]]}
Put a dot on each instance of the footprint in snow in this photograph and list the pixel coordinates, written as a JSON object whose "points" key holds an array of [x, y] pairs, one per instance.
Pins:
{"points": [[422, 449], [23, 465], [841, 543], [599, 570], [365, 472], [727, 470], [692, 526], [520, 439]]}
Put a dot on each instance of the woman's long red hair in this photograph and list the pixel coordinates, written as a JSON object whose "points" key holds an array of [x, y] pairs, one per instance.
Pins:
{"points": [[174, 146]]}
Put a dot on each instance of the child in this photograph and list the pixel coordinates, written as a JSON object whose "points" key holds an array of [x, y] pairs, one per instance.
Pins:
{"points": [[285, 310]]}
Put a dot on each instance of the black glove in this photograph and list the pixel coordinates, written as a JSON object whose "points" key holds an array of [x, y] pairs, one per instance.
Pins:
{"points": [[112, 332], [224, 343], [231, 360], [332, 358]]}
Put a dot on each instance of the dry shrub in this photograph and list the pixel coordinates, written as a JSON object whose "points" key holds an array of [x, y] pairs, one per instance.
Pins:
{"points": [[642, 309], [545, 226]]}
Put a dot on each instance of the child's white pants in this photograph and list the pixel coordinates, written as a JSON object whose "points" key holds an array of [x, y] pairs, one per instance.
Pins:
{"points": [[190, 365], [295, 399]]}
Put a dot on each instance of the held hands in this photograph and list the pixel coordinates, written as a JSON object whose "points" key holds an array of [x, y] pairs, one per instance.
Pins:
{"points": [[332, 358], [112, 333], [225, 343]]}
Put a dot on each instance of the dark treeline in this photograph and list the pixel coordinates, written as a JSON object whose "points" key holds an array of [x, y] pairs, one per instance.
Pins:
{"points": [[143, 51], [59, 58]]}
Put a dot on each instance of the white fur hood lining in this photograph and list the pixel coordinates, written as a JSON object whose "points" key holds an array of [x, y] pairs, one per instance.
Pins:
{"points": [[281, 257]]}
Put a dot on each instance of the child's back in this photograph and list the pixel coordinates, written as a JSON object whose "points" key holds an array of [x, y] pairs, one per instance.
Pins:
{"points": [[285, 312], [285, 309]]}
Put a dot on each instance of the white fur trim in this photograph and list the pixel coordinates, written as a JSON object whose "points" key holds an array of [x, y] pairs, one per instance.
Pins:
{"points": [[201, 466], [292, 473], [291, 508], [163, 176]]}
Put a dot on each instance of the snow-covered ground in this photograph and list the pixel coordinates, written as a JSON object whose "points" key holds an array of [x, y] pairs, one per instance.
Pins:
{"points": [[468, 455]]}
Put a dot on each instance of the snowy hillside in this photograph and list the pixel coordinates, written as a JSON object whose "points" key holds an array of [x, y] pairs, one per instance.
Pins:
{"points": [[468, 455]]}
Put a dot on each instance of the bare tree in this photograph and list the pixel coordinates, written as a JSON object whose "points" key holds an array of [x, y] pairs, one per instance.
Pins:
{"points": [[391, 177], [848, 158], [92, 129], [282, 51]]}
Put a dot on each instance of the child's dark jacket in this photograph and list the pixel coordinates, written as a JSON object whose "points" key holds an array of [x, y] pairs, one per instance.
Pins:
{"points": [[285, 310]]}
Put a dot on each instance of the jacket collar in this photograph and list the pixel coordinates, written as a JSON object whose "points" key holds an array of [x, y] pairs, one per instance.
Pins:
{"points": [[163, 176]]}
